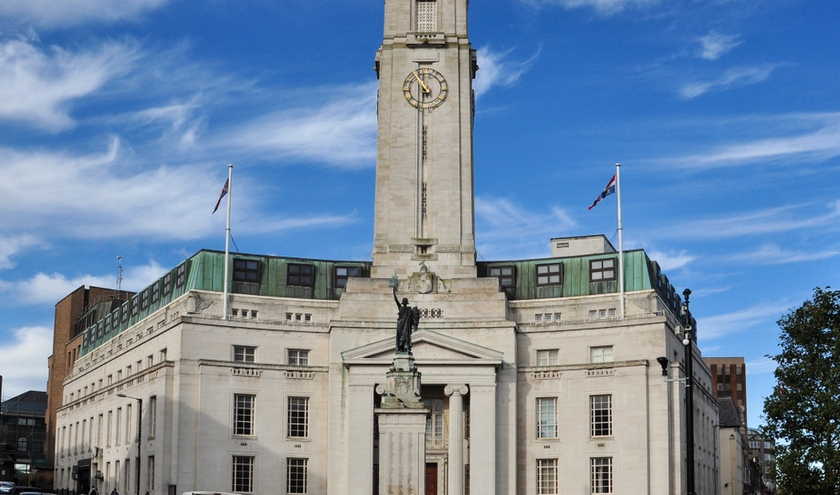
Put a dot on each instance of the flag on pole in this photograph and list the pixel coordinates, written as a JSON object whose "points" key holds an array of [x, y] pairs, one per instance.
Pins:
{"points": [[610, 189], [224, 191]]}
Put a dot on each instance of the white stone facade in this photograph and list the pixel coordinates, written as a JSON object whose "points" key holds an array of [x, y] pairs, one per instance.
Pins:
{"points": [[477, 360]]}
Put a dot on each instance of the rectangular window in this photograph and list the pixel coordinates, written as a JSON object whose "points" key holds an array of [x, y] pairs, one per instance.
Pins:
{"points": [[181, 275], [602, 354], [506, 276], [600, 407], [108, 431], [298, 357], [434, 422], [246, 270], [243, 474], [426, 16], [342, 273], [152, 416], [144, 300], [244, 354], [155, 292], [151, 470], [135, 305], [303, 275], [167, 284], [127, 427], [119, 423], [547, 477], [298, 420], [547, 357], [601, 468], [601, 270], [243, 414], [547, 417], [296, 475], [550, 274]]}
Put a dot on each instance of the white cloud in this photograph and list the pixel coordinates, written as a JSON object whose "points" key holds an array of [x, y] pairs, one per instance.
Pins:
{"points": [[48, 288], [26, 346], [770, 254], [602, 6], [39, 85], [714, 45], [98, 196], [671, 260], [10, 246], [339, 132], [761, 366], [509, 230], [712, 327], [55, 13], [815, 144], [766, 221], [738, 77], [495, 69]]}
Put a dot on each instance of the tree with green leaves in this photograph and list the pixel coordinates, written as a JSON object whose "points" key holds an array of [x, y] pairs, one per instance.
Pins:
{"points": [[803, 413]]}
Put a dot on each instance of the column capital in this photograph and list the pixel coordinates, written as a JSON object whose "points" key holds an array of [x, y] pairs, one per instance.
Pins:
{"points": [[459, 389]]}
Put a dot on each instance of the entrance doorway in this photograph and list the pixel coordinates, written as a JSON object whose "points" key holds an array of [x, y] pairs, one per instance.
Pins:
{"points": [[431, 478]]}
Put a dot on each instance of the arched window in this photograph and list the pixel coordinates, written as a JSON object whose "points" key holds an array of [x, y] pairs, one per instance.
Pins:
{"points": [[22, 444]]}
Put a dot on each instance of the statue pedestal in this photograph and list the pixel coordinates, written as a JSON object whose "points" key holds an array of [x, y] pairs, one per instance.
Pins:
{"points": [[402, 430]]}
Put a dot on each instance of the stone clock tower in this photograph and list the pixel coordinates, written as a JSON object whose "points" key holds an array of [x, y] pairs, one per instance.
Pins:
{"points": [[424, 163]]}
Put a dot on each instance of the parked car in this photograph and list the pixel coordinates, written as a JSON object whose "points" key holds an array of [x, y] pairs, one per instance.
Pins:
{"points": [[6, 486], [30, 490]]}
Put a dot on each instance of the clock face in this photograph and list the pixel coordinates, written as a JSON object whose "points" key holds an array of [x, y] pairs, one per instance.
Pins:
{"points": [[425, 88]]}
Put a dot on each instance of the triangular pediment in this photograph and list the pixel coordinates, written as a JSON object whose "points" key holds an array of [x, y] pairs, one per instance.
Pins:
{"points": [[427, 347]]}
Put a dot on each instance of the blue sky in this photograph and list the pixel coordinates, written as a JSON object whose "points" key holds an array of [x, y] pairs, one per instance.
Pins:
{"points": [[117, 121]]}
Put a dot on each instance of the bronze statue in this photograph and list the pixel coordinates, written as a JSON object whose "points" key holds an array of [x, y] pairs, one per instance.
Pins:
{"points": [[407, 322]]}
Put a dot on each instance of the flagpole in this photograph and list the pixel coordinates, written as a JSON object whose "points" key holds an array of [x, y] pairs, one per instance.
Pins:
{"points": [[620, 240], [227, 244]]}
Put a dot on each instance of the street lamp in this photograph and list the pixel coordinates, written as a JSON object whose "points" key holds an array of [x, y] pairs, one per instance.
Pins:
{"points": [[139, 433], [685, 313]]}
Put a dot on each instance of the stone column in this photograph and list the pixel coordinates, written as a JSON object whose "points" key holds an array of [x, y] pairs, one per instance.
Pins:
{"points": [[360, 437], [456, 438], [483, 438]]}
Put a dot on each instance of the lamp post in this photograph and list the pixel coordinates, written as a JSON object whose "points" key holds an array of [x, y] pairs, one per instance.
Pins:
{"points": [[139, 433], [688, 351]]}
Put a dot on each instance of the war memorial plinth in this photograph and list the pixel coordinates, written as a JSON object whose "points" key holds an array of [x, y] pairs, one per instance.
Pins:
{"points": [[402, 430]]}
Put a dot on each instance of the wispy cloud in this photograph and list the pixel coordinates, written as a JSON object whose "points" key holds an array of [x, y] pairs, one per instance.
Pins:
{"points": [[714, 45], [769, 254], [509, 230], [58, 13], [497, 69], [11, 245], [27, 345], [98, 196], [605, 7], [45, 288], [818, 139], [766, 221], [339, 132], [713, 327], [671, 260], [737, 77], [39, 85], [761, 366]]}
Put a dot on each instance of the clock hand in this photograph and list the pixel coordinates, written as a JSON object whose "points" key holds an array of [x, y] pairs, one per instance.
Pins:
{"points": [[423, 85]]}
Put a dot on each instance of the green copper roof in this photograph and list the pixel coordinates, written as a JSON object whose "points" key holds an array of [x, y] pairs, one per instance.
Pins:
{"points": [[321, 279]]}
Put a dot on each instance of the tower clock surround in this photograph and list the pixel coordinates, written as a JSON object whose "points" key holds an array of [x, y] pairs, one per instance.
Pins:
{"points": [[424, 177]]}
